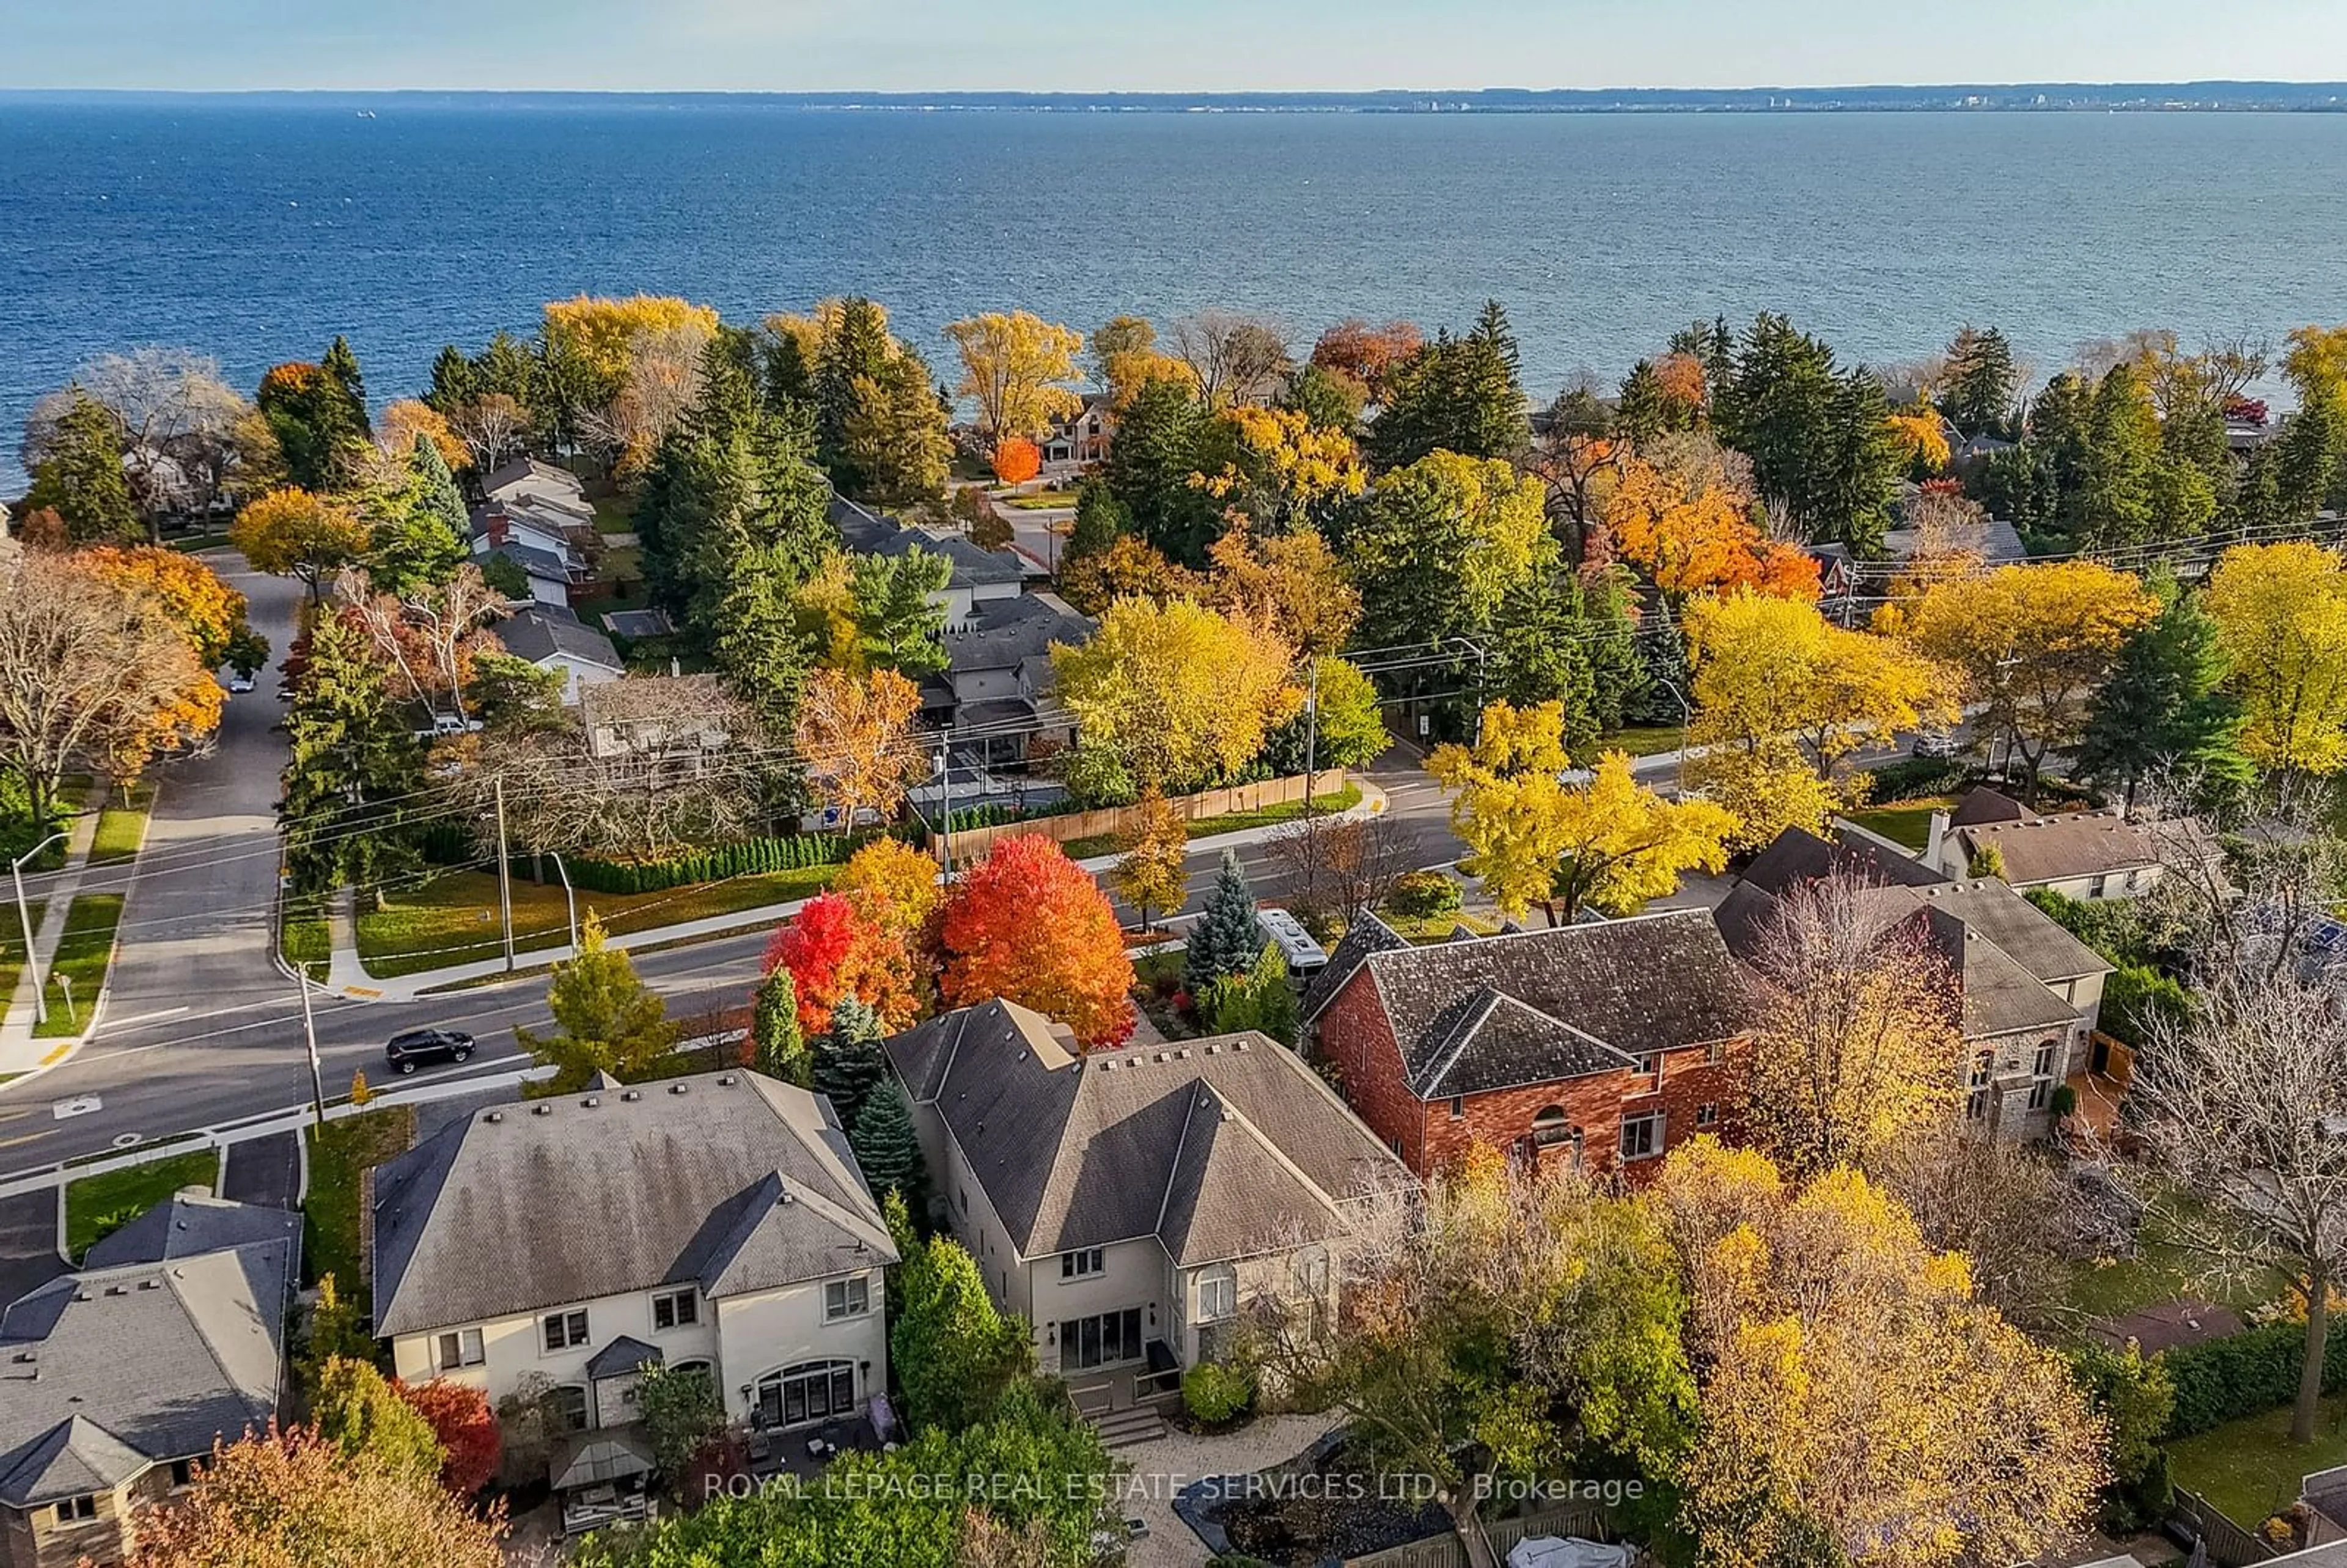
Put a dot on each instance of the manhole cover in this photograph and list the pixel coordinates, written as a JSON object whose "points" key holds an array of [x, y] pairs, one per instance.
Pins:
{"points": [[127, 1141]]}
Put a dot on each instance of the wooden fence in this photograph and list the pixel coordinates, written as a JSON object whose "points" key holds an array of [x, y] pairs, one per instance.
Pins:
{"points": [[971, 843], [1586, 1519], [2230, 1545]]}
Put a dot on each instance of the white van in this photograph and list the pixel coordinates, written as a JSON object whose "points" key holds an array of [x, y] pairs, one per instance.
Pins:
{"points": [[1304, 955]]}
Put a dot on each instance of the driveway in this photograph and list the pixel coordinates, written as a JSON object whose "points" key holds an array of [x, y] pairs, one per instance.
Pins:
{"points": [[1161, 1469], [265, 1171], [28, 1244]]}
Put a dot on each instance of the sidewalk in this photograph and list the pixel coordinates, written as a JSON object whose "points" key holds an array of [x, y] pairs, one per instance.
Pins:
{"points": [[349, 976], [20, 1053]]}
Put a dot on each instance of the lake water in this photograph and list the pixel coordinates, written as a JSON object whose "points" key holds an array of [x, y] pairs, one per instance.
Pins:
{"points": [[256, 231]]}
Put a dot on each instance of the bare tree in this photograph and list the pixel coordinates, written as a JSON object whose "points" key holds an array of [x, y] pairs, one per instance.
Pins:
{"points": [[2001, 1203], [492, 427], [663, 381], [1329, 866], [2243, 1104], [1236, 358], [178, 422], [2245, 884], [427, 638]]}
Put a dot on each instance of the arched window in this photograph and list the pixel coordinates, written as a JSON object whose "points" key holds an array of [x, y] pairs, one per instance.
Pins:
{"points": [[1551, 1127], [802, 1395], [701, 1365]]}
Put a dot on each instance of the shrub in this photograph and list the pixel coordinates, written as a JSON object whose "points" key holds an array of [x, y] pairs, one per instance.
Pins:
{"points": [[2136, 998], [744, 857], [1424, 895], [2136, 1402], [2065, 1101], [1214, 1392], [2245, 1374], [1918, 778]]}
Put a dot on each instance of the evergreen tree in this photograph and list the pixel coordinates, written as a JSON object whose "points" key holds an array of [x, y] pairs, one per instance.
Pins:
{"points": [[1642, 412], [886, 1149], [2165, 707], [342, 368], [1494, 334], [898, 438], [2115, 500], [1261, 998], [2306, 462], [318, 413], [454, 381], [1454, 394], [352, 765], [1786, 410], [1539, 653], [899, 609], [1225, 939], [80, 478], [1162, 439], [1978, 388], [419, 526], [855, 348], [953, 1350], [1857, 473], [2256, 501], [848, 1061], [778, 1049], [1668, 684], [1100, 520]]}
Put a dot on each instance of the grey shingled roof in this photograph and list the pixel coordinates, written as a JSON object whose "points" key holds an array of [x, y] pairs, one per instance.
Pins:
{"points": [[623, 1356], [529, 469], [1984, 805], [1007, 632], [1797, 856], [537, 636], [1366, 935], [2056, 848], [105, 1371], [730, 1180], [866, 532], [1495, 1012], [188, 1225], [1221, 1148]]}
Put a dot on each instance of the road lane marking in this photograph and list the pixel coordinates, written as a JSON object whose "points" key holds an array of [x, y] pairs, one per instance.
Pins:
{"points": [[146, 1018], [79, 1105]]}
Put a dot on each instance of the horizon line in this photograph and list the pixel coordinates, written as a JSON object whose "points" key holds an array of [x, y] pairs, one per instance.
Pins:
{"points": [[1286, 94]]}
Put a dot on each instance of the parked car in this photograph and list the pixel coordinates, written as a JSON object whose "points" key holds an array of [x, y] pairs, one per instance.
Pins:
{"points": [[240, 683], [422, 1047], [1935, 745]]}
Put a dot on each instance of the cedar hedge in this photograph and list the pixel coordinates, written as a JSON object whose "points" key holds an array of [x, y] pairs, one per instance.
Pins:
{"points": [[2247, 1374], [747, 857]]}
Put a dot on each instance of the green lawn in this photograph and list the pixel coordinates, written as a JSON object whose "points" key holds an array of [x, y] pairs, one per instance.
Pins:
{"points": [[1438, 928], [98, 1206], [1907, 822], [1344, 799], [83, 956], [339, 1154], [2160, 1272], [615, 515], [122, 827], [305, 937], [453, 919], [2250, 1470], [12, 945], [1041, 501], [1643, 740]]}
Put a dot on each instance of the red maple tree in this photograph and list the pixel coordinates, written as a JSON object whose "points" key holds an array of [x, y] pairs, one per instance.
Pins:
{"points": [[461, 1419], [1028, 923], [834, 947], [1016, 459]]}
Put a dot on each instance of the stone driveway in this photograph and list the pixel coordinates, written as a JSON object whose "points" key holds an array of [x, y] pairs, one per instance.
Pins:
{"points": [[1161, 1469]]}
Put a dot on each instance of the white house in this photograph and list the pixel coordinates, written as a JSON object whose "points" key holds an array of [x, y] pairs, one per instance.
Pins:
{"points": [[2083, 855], [552, 638], [1129, 1203], [551, 1248], [980, 577], [526, 482]]}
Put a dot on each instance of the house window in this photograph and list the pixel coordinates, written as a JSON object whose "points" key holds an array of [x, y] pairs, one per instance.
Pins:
{"points": [[184, 1473], [460, 1348], [846, 1297], [1082, 1264], [809, 1392], [2040, 1091], [2098, 888], [1650, 1068], [566, 1408], [1641, 1136], [1458, 1107], [1101, 1341], [1715, 1053], [1310, 1270], [1218, 1293], [74, 1510], [1707, 1114], [675, 1309], [1550, 1128], [1977, 1085], [565, 1330]]}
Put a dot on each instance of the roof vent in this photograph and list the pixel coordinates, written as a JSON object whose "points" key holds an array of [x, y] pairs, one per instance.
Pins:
{"points": [[1160, 1056], [150, 1285], [118, 1290], [592, 1102], [1239, 1045], [541, 1110], [629, 1096], [788, 1199], [1211, 1049], [1109, 1066], [1133, 1062], [494, 1116], [724, 1081], [1183, 1054], [1021, 1057], [677, 1088]]}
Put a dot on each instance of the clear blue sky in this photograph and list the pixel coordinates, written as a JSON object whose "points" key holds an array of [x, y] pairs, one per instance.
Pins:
{"points": [[1151, 45]]}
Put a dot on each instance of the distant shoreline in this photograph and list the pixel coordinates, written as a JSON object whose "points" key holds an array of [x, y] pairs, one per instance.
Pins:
{"points": [[2051, 97]]}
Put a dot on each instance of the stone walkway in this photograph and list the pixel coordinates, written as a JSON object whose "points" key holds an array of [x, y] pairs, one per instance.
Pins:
{"points": [[1161, 1469]]}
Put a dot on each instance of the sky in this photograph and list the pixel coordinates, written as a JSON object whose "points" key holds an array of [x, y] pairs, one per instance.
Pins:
{"points": [[1194, 46]]}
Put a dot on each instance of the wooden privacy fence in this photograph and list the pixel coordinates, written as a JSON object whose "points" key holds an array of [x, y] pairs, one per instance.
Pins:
{"points": [[2230, 1545], [1586, 1519], [971, 843]]}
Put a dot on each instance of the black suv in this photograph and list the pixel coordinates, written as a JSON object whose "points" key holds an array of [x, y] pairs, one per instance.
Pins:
{"points": [[421, 1046]]}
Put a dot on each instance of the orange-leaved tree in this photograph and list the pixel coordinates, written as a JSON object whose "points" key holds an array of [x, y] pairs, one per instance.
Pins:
{"points": [[1016, 459], [403, 421], [460, 1417], [834, 948], [1029, 925], [1690, 537], [209, 611], [855, 733]]}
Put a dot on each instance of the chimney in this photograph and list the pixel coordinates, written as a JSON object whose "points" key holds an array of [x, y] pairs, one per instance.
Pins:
{"points": [[1940, 827]]}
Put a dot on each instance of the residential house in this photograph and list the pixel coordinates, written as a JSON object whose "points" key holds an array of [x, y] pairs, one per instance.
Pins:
{"points": [[544, 548], [1130, 1202], [554, 639], [115, 1378], [1082, 439], [2083, 855], [994, 696], [552, 1248], [2030, 992], [526, 482], [674, 722], [1602, 1045], [980, 577]]}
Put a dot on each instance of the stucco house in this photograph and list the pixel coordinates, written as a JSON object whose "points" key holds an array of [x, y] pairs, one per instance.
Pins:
{"points": [[994, 697], [115, 1379], [550, 1248], [1083, 437], [1129, 1203], [552, 638], [1602, 1046], [2030, 993], [524, 482]]}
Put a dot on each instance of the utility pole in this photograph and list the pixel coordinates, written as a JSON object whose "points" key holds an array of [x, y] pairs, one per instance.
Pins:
{"points": [[945, 814], [1311, 778], [570, 897], [505, 878], [309, 1035], [24, 923]]}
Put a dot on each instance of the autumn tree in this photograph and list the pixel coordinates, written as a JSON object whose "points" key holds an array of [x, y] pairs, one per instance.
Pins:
{"points": [[2280, 611], [855, 736], [837, 947], [1174, 695], [318, 415], [1126, 358], [465, 1428], [405, 421], [1860, 1404], [1436, 548], [1366, 356], [1284, 473], [1343, 726], [2033, 644], [1691, 532], [493, 428], [292, 533], [427, 636], [611, 1020], [1578, 456], [184, 436], [2166, 707], [1334, 866], [1154, 871], [895, 884], [1294, 583], [1770, 788], [1082, 977], [287, 1497], [1015, 460], [361, 1411], [1624, 845], [592, 342], [1235, 357], [1013, 368]]}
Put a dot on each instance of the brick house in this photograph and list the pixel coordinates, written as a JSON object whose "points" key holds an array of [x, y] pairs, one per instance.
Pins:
{"points": [[1606, 1045]]}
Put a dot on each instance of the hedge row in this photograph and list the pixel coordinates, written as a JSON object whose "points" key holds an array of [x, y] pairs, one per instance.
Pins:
{"points": [[749, 857], [2247, 1374]]}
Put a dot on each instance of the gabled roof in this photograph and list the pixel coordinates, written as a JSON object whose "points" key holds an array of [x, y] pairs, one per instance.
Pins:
{"points": [[105, 1371], [866, 532], [730, 1180], [188, 1224], [1796, 856], [537, 636], [1533, 1006], [2058, 848], [1220, 1148], [1982, 804], [1005, 633], [623, 1356], [521, 471], [1366, 935]]}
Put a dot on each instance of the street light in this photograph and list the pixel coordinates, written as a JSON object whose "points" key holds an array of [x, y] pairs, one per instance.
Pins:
{"points": [[24, 921], [569, 897]]}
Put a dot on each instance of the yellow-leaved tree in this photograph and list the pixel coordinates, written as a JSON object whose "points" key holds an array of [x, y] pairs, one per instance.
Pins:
{"points": [[2281, 617], [855, 733], [1860, 1404], [1014, 364], [1610, 845], [2033, 643], [1285, 472], [600, 334]]}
